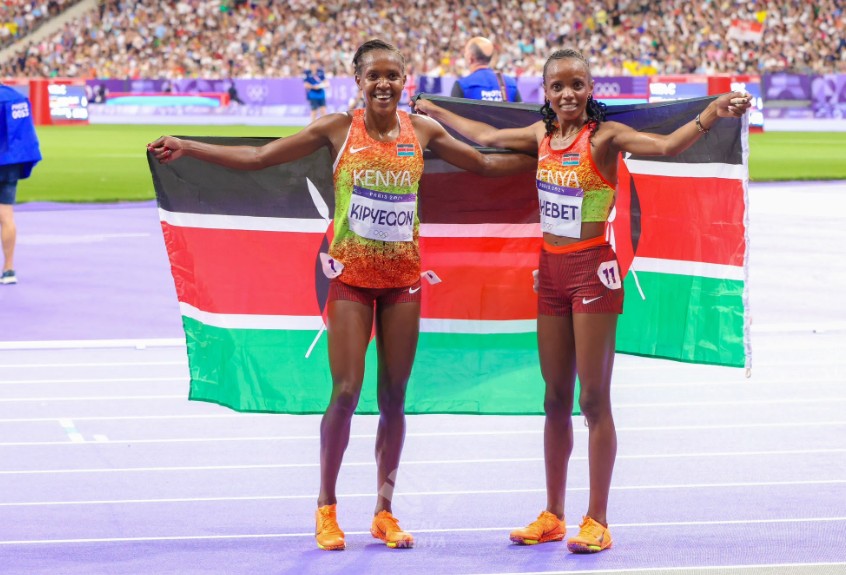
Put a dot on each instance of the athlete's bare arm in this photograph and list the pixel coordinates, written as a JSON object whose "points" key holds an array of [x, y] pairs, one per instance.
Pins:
{"points": [[326, 131], [522, 139], [432, 135], [625, 139]]}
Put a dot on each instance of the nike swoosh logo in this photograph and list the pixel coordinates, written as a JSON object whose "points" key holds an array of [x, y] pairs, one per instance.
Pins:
{"points": [[357, 150], [413, 290], [542, 158], [586, 301]]}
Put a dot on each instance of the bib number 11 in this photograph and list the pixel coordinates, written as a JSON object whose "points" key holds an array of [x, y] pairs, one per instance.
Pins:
{"points": [[609, 274]]}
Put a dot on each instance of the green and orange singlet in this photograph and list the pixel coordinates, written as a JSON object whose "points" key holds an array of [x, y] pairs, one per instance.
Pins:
{"points": [[376, 223], [570, 188]]}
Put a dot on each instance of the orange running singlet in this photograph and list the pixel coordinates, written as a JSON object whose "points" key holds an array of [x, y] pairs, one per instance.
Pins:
{"points": [[376, 223]]}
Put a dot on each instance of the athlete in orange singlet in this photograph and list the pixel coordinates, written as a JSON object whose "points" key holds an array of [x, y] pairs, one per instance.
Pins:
{"points": [[579, 288], [378, 161]]}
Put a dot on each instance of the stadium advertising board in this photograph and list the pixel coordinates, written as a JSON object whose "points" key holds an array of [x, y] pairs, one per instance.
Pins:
{"points": [[679, 87], [801, 97], [68, 103]]}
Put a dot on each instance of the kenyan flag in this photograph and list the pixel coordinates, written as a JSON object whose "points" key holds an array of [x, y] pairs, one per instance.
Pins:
{"points": [[244, 250]]}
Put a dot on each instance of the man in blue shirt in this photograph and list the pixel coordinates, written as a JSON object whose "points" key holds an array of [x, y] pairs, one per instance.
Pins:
{"points": [[19, 152], [315, 85], [483, 83]]}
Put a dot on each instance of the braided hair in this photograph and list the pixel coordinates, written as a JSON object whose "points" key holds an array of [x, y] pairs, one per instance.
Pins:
{"points": [[370, 46], [595, 110]]}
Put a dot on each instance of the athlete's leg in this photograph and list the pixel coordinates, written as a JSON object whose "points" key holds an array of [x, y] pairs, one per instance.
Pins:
{"points": [[350, 324], [558, 366], [397, 330], [595, 336]]}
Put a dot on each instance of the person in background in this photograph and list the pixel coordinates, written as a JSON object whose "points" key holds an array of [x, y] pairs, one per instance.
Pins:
{"points": [[315, 85], [19, 154], [483, 83], [580, 291]]}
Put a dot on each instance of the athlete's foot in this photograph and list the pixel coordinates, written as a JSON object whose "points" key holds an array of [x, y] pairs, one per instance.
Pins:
{"points": [[593, 537], [327, 532], [547, 527], [386, 527]]}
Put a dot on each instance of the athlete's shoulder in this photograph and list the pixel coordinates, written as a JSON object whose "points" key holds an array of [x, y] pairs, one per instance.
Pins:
{"points": [[330, 123]]}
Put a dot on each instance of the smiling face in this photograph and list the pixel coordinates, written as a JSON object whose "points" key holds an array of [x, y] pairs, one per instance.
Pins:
{"points": [[567, 85], [381, 80]]}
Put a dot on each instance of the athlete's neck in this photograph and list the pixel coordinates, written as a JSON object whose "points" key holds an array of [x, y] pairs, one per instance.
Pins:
{"points": [[382, 126]]}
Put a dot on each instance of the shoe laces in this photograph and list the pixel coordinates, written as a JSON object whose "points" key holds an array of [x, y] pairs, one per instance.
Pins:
{"points": [[391, 520], [328, 522], [591, 527], [544, 522]]}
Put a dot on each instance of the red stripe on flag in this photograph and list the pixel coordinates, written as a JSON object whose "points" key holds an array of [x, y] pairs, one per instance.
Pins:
{"points": [[688, 219], [275, 273], [245, 272], [483, 278]]}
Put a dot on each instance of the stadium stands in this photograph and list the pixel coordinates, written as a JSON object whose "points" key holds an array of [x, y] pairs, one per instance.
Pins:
{"points": [[238, 38], [18, 18]]}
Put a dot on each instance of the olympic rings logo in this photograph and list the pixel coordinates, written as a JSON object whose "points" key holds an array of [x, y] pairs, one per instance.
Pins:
{"points": [[606, 89], [257, 92]]}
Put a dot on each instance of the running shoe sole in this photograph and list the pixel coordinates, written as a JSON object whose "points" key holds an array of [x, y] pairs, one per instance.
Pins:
{"points": [[547, 539]]}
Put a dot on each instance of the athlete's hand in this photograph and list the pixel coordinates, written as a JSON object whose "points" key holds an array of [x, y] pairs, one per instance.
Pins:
{"points": [[166, 149], [733, 104], [421, 106], [535, 280]]}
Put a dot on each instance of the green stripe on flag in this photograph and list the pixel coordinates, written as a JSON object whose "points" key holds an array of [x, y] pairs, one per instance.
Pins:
{"points": [[686, 318], [266, 370]]}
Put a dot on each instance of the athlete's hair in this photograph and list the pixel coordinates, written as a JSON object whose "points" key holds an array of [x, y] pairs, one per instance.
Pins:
{"points": [[370, 46], [595, 110]]}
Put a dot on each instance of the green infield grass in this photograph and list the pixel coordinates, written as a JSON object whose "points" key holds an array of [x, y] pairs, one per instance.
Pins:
{"points": [[106, 163]]}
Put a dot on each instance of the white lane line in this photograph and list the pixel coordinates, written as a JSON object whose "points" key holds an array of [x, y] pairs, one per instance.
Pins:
{"points": [[93, 364], [689, 570], [670, 524], [70, 428], [479, 461], [184, 378], [49, 399], [310, 496], [579, 429], [93, 343], [618, 405], [740, 383]]}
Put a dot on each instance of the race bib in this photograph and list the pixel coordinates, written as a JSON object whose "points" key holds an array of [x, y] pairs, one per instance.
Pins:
{"points": [[560, 209], [381, 215], [609, 274]]}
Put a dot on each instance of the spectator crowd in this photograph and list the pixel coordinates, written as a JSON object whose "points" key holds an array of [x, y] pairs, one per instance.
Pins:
{"points": [[18, 18], [267, 38]]}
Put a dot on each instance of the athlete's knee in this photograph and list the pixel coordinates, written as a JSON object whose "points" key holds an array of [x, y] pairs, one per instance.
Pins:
{"points": [[391, 399], [558, 403], [345, 398], [594, 405]]}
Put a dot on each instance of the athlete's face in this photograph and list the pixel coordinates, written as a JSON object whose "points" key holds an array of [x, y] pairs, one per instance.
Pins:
{"points": [[382, 79], [567, 86]]}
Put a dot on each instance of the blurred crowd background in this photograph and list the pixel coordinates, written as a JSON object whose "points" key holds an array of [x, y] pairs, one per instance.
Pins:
{"points": [[242, 39]]}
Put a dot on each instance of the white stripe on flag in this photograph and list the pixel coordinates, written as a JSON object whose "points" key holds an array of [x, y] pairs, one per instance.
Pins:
{"points": [[480, 230], [676, 170], [252, 321], [251, 223], [687, 268], [314, 323]]}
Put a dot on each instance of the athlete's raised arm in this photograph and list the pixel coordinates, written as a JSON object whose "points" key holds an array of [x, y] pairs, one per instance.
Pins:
{"points": [[326, 131], [625, 139], [432, 135], [521, 139]]}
